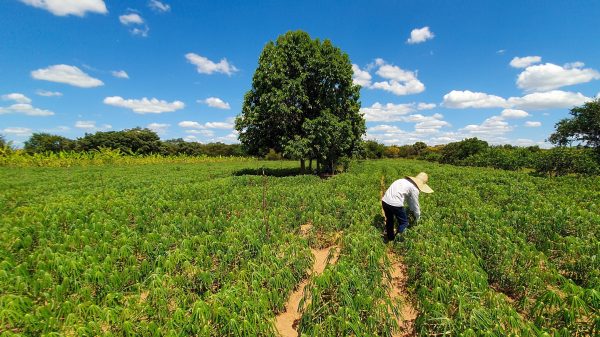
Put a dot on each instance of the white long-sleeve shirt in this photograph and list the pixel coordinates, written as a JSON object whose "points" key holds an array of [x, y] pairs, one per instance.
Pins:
{"points": [[400, 191]]}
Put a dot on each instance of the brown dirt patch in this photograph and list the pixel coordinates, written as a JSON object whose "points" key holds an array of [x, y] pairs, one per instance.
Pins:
{"points": [[398, 291], [286, 323]]}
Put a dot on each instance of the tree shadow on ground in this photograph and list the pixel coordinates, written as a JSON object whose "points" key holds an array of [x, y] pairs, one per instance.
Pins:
{"points": [[271, 172]]}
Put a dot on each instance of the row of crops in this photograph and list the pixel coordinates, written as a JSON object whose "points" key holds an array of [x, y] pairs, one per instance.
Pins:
{"points": [[503, 253], [178, 248]]}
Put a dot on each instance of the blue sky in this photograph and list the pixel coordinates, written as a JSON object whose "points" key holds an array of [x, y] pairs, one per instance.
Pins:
{"points": [[432, 71]]}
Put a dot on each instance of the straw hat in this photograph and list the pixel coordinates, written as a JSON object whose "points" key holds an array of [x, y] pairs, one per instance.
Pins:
{"points": [[421, 181]]}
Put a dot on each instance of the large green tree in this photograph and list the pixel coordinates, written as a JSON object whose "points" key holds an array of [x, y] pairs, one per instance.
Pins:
{"points": [[301, 87], [583, 127], [44, 142]]}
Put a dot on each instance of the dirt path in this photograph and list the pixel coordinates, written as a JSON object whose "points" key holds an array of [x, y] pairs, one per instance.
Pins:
{"points": [[398, 290], [286, 323]]}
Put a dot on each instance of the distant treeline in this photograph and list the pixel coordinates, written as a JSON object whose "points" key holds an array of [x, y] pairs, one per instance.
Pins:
{"points": [[469, 152], [137, 141], [475, 152]]}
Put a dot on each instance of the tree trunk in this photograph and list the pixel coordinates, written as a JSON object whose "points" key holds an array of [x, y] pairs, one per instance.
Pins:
{"points": [[302, 165], [310, 164]]}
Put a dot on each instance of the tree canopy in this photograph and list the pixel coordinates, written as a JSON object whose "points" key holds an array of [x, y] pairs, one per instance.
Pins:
{"points": [[136, 140], [455, 152], [45, 142], [303, 102], [582, 127]]}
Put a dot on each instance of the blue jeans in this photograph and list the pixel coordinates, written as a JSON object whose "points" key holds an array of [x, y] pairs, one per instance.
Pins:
{"points": [[392, 212]]}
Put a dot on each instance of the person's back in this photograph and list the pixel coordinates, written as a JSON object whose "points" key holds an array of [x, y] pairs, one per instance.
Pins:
{"points": [[401, 191]]}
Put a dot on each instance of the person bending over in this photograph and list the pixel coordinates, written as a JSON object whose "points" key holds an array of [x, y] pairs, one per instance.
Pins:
{"points": [[401, 191]]}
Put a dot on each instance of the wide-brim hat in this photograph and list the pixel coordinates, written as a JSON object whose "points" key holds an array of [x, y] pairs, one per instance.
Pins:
{"points": [[421, 181]]}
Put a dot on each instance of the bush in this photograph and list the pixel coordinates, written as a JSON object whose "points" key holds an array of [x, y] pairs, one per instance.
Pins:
{"points": [[563, 160], [455, 153], [273, 155], [430, 156], [502, 157]]}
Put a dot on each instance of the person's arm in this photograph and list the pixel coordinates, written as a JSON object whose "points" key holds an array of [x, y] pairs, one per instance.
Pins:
{"points": [[413, 204]]}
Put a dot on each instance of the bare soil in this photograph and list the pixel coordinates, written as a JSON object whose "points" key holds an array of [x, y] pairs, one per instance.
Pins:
{"points": [[398, 290], [287, 322]]}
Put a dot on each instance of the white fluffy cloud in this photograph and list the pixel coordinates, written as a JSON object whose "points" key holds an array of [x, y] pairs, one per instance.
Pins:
{"points": [[361, 77], [159, 6], [219, 125], [495, 125], [120, 74], [131, 19], [136, 23], [17, 131], [91, 125], [22, 105], [428, 124], [202, 132], [144, 105], [427, 128], [141, 31], [62, 73], [160, 128], [25, 109], [532, 124], [206, 66], [548, 76], [47, 93], [524, 62], [386, 113], [16, 97], [419, 35], [514, 113], [69, 7], [457, 99], [400, 89], [426, 106], [191, 124], [392, 112], [555, 99], [215, 102], [398, 81], [208, 125]]}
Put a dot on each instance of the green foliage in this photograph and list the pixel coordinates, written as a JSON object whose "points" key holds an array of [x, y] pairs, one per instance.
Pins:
{"points": [[179, 146], [5, 147], [179, 246], [330, 138], [373, 149], [563, 160], [454, 153], [301, 88], [583, 127], [419, 147], [272, 155], [137, 140], [506, 158], [45, 142]]}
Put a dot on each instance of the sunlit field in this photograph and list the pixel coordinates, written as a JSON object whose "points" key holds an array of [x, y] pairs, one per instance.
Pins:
{"points": [[215, 248]]}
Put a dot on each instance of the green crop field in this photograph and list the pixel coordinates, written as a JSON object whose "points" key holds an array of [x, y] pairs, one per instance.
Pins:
{"points": [[213, 248]]}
